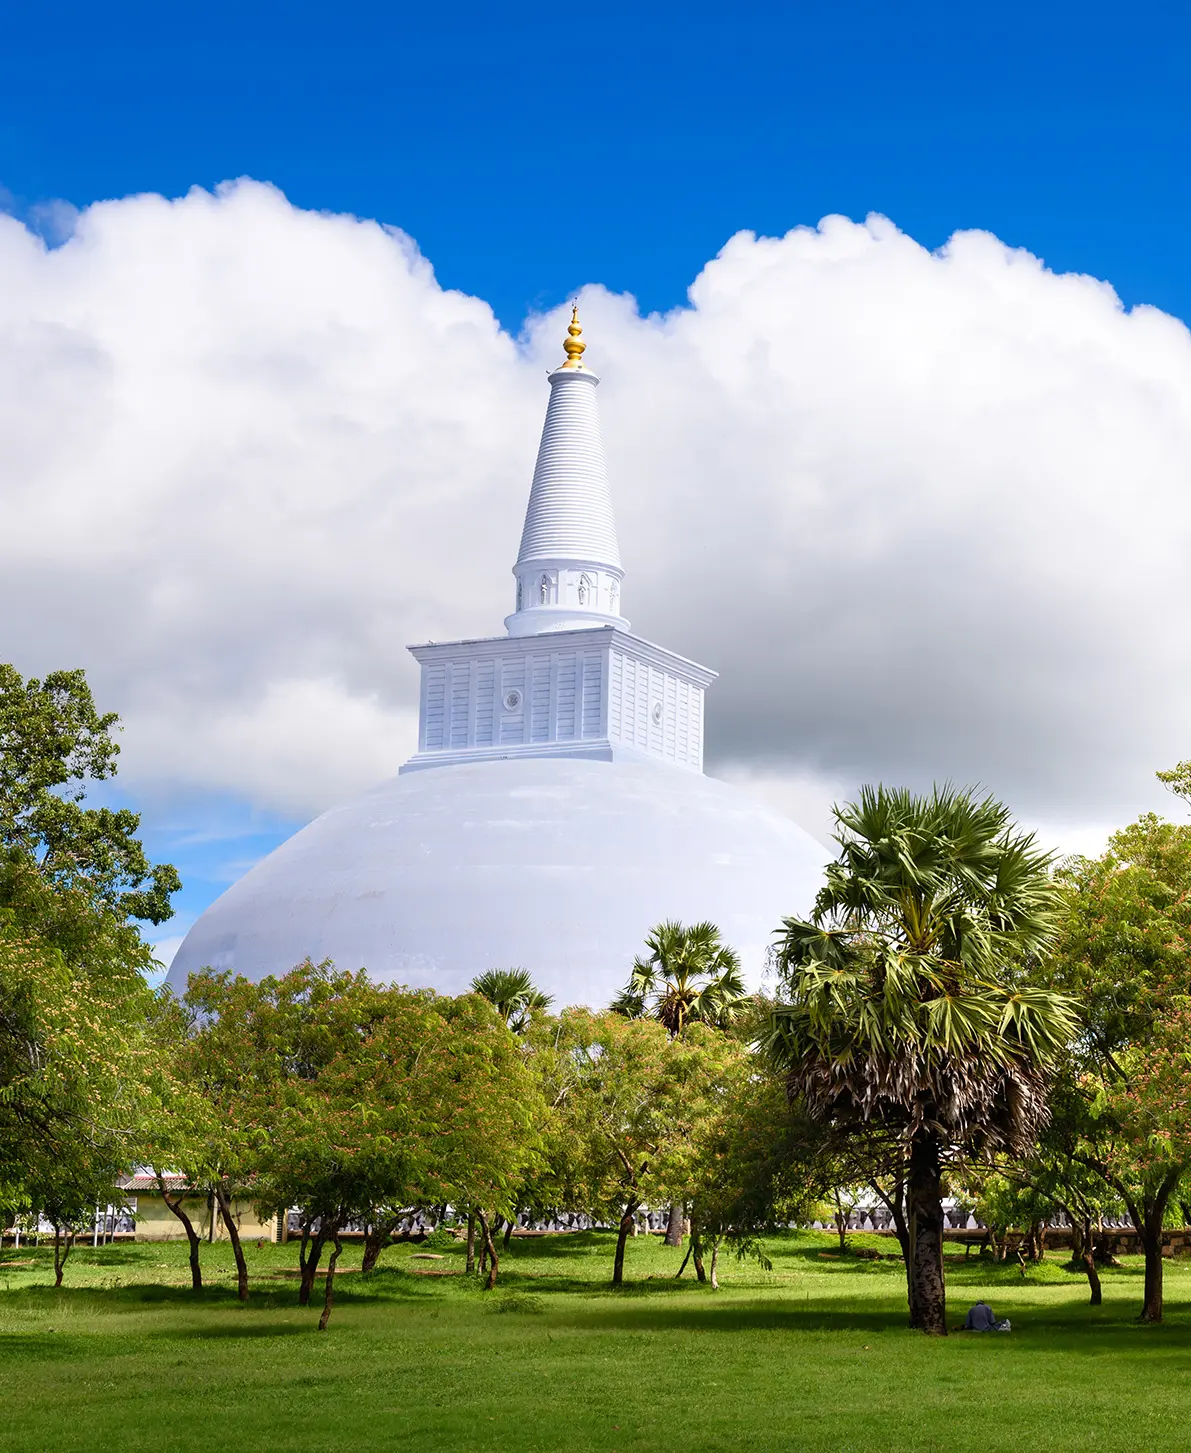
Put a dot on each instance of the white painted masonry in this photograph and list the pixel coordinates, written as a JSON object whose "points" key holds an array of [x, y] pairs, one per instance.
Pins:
{"points": [[541, 822], [568, 570], [598, 693]]}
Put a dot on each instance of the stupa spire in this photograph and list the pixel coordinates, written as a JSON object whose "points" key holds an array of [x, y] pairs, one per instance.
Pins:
{"points": [[568, 568], [571, 345]]}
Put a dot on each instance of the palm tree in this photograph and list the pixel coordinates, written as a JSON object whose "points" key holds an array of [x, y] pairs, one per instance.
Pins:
{"points": [[689, 975], [513, 994], [908, 1012]]}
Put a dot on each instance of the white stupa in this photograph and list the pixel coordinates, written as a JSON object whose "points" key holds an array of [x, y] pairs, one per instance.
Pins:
{"points": [[556, 807]]}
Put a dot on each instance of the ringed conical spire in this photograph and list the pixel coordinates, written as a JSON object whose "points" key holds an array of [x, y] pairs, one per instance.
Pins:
{"points": [[568, 568]]}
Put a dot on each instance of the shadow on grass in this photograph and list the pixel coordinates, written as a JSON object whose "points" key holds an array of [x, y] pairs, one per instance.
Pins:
{"points": [[1090, 1330], [119, 1255]]}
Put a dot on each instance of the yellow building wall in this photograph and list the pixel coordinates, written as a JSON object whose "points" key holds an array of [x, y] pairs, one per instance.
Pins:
{"points": [[156, 1222]]}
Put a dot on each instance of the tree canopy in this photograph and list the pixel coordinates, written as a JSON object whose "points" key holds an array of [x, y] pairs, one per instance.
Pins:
{"points": [[907, 1004]]}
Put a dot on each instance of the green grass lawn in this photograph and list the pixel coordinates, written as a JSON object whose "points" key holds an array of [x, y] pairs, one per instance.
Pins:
{"points": [[813, 1355]]}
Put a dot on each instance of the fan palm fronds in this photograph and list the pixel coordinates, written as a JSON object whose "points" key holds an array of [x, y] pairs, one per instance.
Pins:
{"points": [[906, 1002], [513, 994], [686, 975]]}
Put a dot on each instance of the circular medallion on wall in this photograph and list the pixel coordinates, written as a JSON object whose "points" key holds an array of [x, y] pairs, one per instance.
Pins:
{"points": [[512, 700], [657, 713]]}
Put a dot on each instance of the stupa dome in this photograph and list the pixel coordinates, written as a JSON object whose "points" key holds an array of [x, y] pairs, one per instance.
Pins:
{"points": [[559, 866], [556, 807]]}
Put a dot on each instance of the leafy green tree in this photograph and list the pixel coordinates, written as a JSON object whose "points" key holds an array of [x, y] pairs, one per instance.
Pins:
{"points": [[513, 994], [68, 1187], [356, 1101], [183, 1141], [756, 1162], [53, 745], [687, 975], [1125, 954], [907, 1005], [1057, 1176], [625, 1098], [76, 1065], [517, 999]]}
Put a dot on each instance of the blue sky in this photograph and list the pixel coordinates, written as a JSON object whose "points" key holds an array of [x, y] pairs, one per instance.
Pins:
{"points": [[531, 149]]}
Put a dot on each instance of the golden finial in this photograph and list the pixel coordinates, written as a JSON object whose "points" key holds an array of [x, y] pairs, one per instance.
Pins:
{"points": [[571, 345]]}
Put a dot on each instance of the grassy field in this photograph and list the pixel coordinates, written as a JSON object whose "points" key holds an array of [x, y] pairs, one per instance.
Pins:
{"points": [[812, 1356]]}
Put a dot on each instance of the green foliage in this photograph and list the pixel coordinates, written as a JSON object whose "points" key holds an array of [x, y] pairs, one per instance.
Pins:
{"points": [[687, 975], [53, 744], [907, 1001], [340, 1096], [629, 1103], [441, 1239], [1123, 1109], [513, 994], [76, 1069]]}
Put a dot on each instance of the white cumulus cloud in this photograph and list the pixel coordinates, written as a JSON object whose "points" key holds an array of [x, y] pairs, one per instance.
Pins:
{"points": [[927, 513]]}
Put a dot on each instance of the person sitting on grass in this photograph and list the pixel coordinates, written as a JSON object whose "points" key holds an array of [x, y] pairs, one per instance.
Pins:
{"points": [[980, 1318]]}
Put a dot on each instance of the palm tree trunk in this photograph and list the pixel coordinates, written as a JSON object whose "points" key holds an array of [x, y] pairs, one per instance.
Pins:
{"points": [[928, 1293], [471, 1242], [674, 1225]]}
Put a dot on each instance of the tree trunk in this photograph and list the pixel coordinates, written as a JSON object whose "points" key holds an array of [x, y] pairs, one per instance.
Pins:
{"points": [[1151, 1242], [471, 1242], [376, 1238], [329, 1290], [841, 1226], [895, 1204], [508, 1233], [626, 1225], [1148, 1216], [309, 1253], [715, 1255], [1095, 1296], [925, 1199], [1083, 1255], [697, 1249], [192, 1236], [674, 1224], [489, 1252], [61, 1250], [233, 1232]]}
